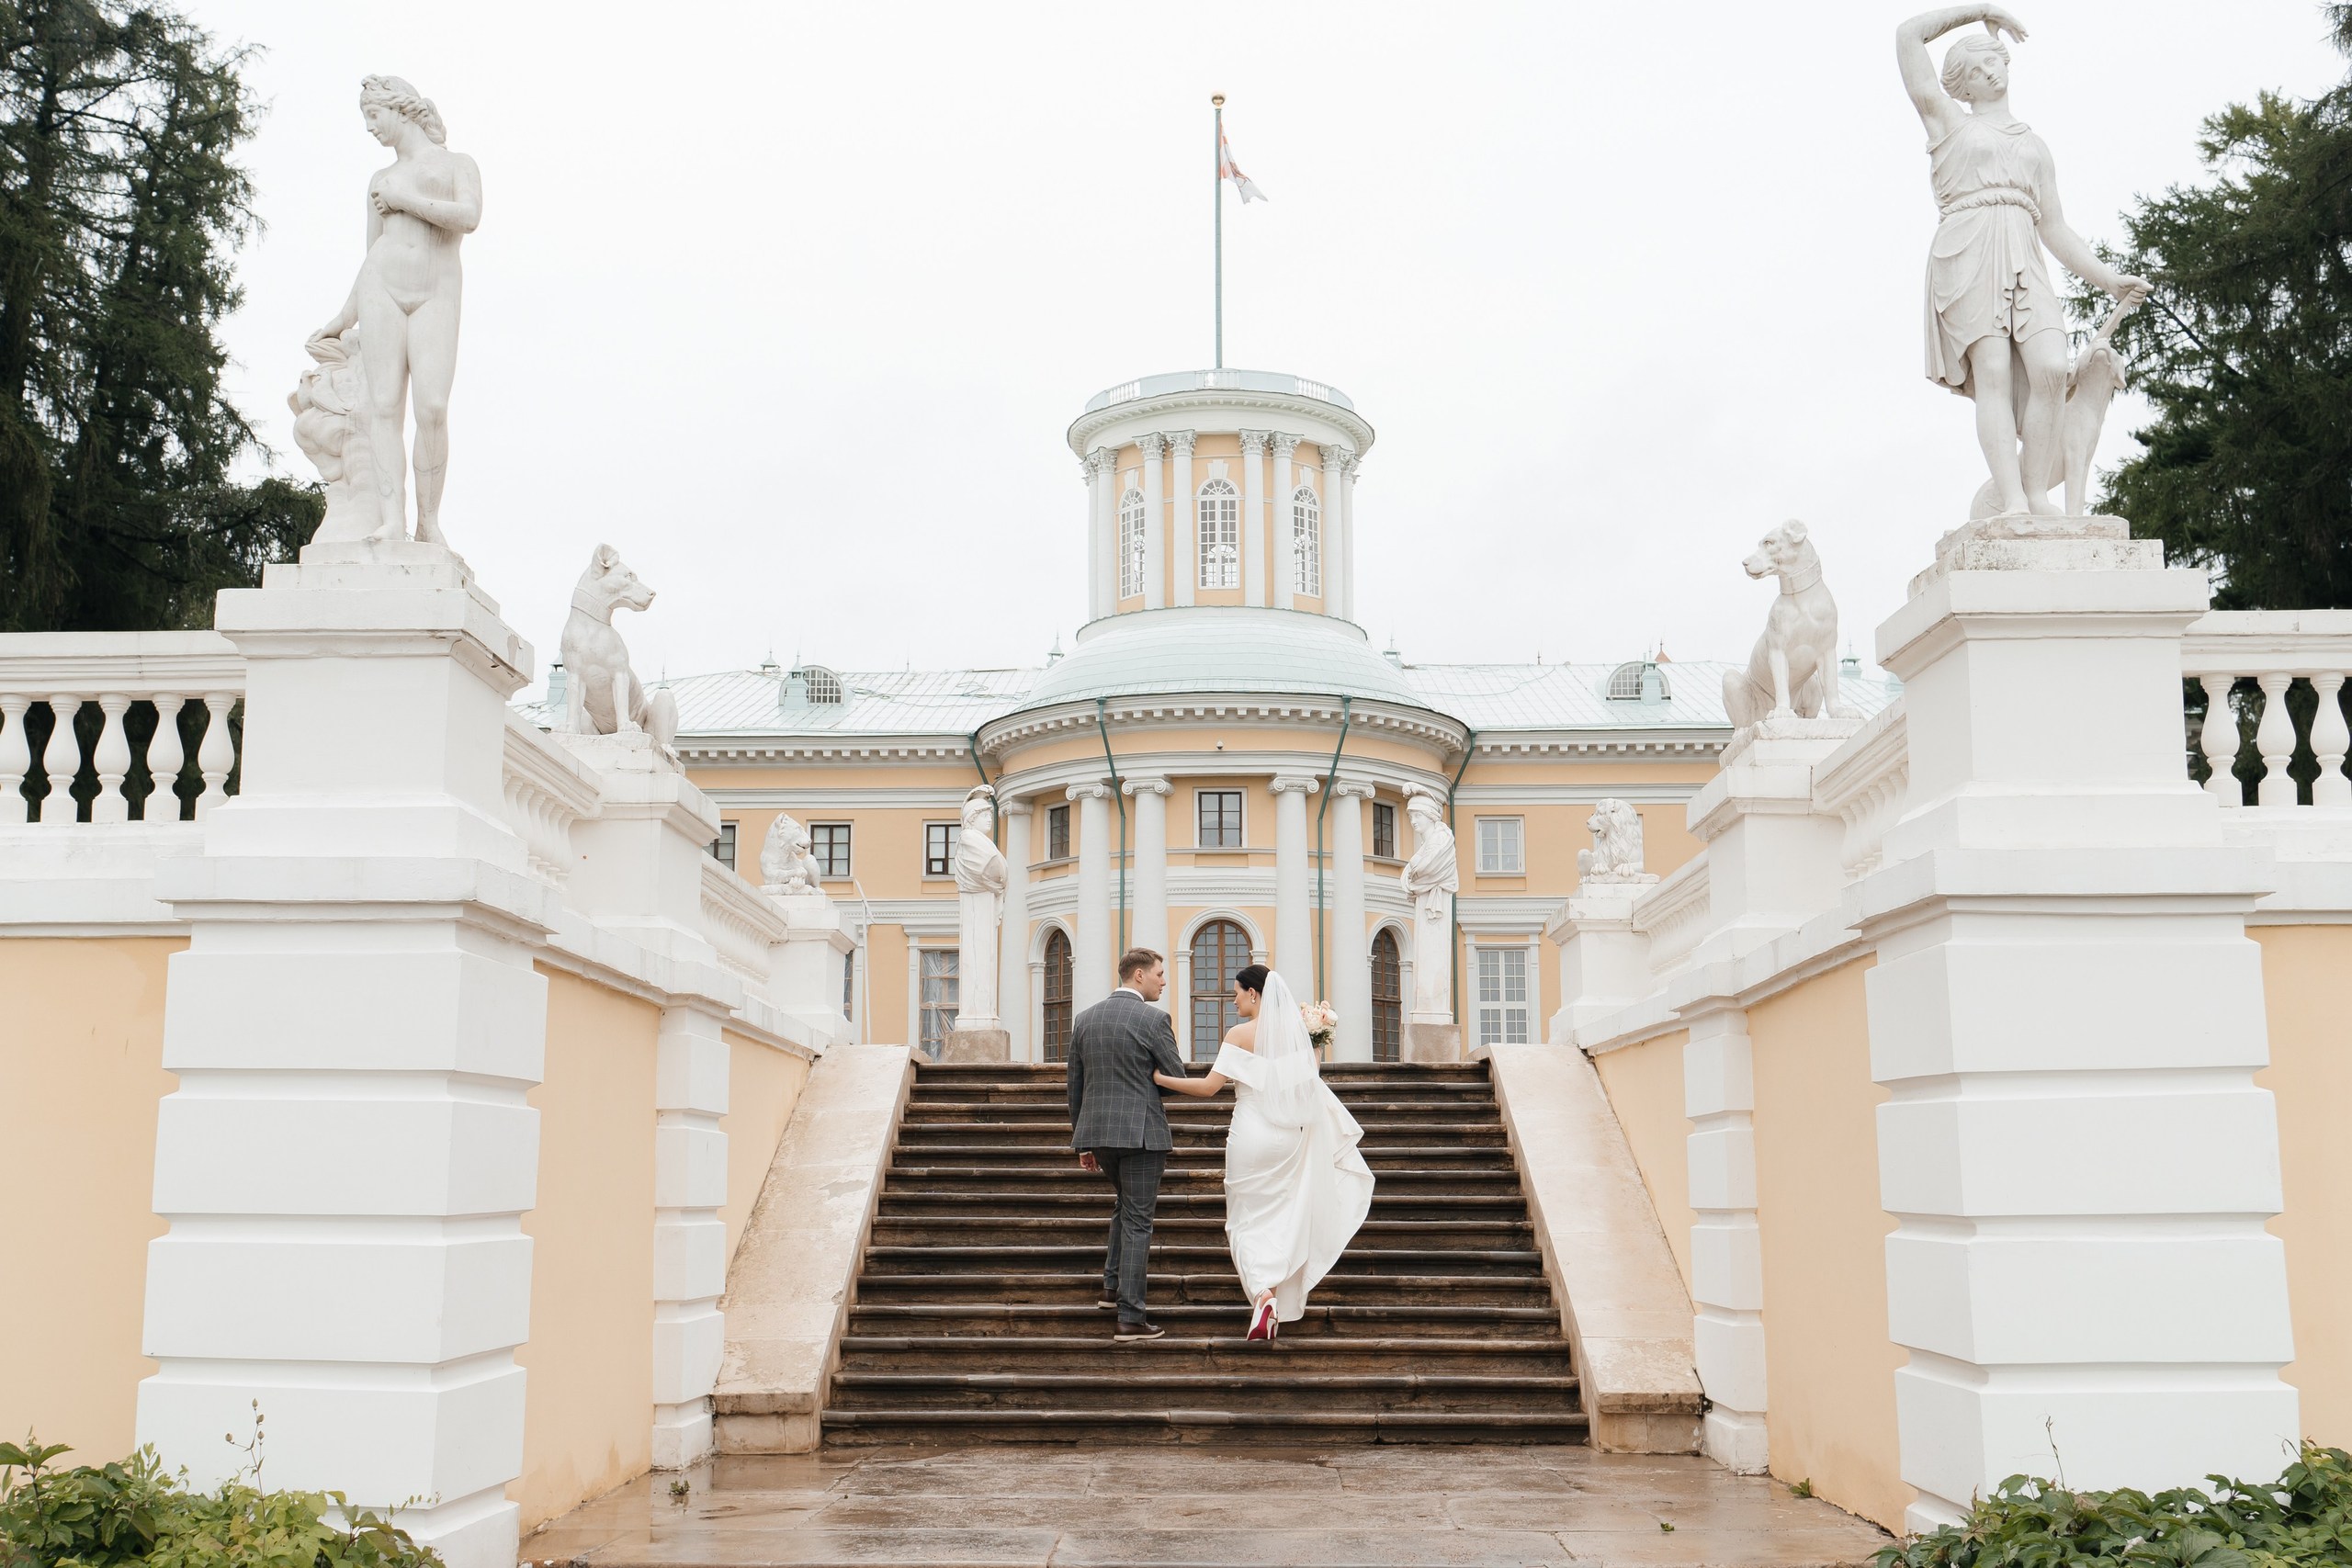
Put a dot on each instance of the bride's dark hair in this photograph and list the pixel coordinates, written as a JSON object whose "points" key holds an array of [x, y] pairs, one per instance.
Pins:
{"points": [[1253, 978]]}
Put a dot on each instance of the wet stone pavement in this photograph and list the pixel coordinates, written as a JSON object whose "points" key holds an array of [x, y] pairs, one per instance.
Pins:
{"points": [[1340, 1507]]}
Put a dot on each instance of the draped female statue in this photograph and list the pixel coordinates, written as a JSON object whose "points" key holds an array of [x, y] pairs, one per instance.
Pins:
{"points": [[406, 300], [1996, 331]]}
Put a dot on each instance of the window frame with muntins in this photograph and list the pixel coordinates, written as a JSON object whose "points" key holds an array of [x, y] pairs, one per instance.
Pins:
{"points": [[1306, 542], [1230, 831], [1060, 977], [1131, 544], [1058, 832], [1508, 833], [939, 848], [1220, 950], [1503, 1017], [830, 845], [1217, 510], [939, 973], [1387, 997], [1384, 830]]}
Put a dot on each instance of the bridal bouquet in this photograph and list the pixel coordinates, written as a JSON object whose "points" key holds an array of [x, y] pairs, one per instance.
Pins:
{"points": [[1321, 1022]]}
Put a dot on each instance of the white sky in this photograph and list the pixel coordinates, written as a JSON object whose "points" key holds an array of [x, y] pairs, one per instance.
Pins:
{"points": [[792, 303]]}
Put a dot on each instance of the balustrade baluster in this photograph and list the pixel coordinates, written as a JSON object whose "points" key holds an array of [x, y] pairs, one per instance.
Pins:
{"points": [[14, 760], [217, 754], [2274, 737], [57, 808], [165, 755], [111, 760], [2330, 741], [2218, 738]]}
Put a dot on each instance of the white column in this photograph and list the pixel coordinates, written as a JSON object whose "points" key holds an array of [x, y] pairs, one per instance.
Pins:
{"points": [[1348, 940], [1099, 558], [1150, 926], [1184, 522], [2069, 1017], [1726, 1262], [1293, 900], [354, 1025], [1253, 517], [1285, 552], [1092, 954], [1013, 940], [1155, 525], [1343, 501], [1179, 1009]]}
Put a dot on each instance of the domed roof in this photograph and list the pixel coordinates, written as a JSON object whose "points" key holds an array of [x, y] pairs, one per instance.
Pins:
{"points": [[1212, 648]]}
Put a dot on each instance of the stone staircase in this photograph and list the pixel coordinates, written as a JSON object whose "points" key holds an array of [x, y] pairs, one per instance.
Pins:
{"points": [[975, 1318]]}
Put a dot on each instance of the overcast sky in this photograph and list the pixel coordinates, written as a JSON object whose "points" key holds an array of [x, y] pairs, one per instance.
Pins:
{"points": [[792, 303]]}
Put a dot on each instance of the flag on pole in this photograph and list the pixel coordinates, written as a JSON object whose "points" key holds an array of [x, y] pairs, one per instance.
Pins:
{"points": [[1228, 170]]}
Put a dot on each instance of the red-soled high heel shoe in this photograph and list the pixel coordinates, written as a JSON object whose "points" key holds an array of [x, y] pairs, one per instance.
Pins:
{"points": [[1262, 1320]]}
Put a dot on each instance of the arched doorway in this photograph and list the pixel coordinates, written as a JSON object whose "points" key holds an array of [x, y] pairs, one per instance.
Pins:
{"points": [[1387, 998], [1220, 951], [1058, 1005]]}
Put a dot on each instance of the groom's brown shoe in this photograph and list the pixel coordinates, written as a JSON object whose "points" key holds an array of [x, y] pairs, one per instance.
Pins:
{"points": [[1131, 1332]]}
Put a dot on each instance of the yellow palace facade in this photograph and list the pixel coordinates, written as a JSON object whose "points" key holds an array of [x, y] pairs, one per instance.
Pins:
{"points": [[1218, 768]]}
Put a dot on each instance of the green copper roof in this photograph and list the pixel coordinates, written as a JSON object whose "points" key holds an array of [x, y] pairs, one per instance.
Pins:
{"points": [[1213, 650]]}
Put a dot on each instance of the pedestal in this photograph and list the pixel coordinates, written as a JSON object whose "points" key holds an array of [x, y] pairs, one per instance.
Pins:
{"points": [[977, 1045], [2069, 1016], [1604, 962], [1432, 1040], [354, 1023]]}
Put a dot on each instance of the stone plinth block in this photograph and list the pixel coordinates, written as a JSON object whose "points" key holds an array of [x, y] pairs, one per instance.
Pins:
{"points": [[977, 1045], [1432, 1042]]}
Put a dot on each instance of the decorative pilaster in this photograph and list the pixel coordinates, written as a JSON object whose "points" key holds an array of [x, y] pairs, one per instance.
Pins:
{"points": [[1093, 953], [1285, 539], [1726, 1259], [1339, 557], [1348, 943], [1183, 521], [1155, 525], [1294, 907], [1104, 559], [1098, 549], [1151, 927], [1012, 942], [1253, 517]]}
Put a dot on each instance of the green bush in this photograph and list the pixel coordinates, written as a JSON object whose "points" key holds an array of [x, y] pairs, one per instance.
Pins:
{"points": [[2303, 1519], [131, 1511]]}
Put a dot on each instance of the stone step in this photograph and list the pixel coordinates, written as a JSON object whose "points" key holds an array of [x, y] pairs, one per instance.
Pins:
{"points": [[1303, 1353], [1270, 1388], [867, 1427], [1195, 1160], [1056, 1100], [1023, 1230], [1191, 1256], [1461, 1321], [1213, 1286], [961, 1176], [1336, 1072], [1094, 1204], [1054, 1134]]}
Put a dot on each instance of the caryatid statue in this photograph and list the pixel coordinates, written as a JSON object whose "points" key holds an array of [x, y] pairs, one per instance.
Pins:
{"points": [[1430, 879], [1996, 329], [405, 305], [980, 873]]}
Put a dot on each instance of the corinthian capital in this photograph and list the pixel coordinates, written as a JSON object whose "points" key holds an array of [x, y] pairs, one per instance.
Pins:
{"points": [[1284, 443], [1180, 443], [1253, 443], [1150, 445], [1337, 457]]}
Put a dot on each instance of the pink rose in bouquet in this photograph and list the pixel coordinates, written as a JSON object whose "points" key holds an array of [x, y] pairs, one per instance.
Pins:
{"points": [[1322, 1022]]}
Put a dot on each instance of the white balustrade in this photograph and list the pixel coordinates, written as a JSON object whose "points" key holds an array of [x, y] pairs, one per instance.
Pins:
{"points": [[1863, 784], [548, 789], [2274, 648], [128, 676]]}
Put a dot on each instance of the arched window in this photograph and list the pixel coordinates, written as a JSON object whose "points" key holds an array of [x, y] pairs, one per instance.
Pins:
{"points": [[824, 686], [1220, 951], [1220, 515], [1131, 544], [1639, 682], [1387, 998], [1058, 987], [1306, 542]]}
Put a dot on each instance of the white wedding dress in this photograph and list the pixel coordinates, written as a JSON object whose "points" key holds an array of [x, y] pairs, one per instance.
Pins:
{"points": [[1296, 1185]]}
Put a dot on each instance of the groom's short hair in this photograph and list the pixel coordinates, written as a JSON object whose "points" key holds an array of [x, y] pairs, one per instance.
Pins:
{"points": [[1136, 960]]}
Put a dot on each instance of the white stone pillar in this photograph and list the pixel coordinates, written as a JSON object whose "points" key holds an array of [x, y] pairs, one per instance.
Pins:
{"points": [[1285, 541], [2069, 1017], [1093, 946], [1101, 560], [1155, 525], [354, 1024], [1253, 517], [1180, 985], [1150, 925], [1727, 1261], [1013, 985], [1348, 939], [1184, 520], [1341, 500], [1294, 903]]}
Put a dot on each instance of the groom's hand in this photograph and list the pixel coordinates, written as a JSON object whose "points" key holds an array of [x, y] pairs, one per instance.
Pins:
{"points": [[1088, 1163]]}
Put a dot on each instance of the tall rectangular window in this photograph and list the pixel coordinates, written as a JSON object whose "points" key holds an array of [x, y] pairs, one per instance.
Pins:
{"points": [[1058, 832], [1220, 819], [1502, 995], [939, 848], [829, 846], [1131, 540], [1384, 830], [1502, 846], [722, 847], [939, 983], [1220, 521], [1306, 542]]}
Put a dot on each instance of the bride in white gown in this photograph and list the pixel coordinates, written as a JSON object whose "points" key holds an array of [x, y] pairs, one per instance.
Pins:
{"points": [[1295, 1187]]}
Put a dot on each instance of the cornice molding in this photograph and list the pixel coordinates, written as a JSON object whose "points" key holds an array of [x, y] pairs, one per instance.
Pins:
{"points": [[1083, 432], [1422, 725]]}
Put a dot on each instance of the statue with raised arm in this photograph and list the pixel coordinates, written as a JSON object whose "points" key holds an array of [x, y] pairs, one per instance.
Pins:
{"points": [[405, 303], [1996, 329]]}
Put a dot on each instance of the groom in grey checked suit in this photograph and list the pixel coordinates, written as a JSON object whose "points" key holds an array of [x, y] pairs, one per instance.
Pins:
{"points": [[1117, 1122]]}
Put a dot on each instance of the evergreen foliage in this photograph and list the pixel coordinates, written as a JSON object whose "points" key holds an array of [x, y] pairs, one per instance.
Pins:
{"points": [[121, 206], [2245, 350]]}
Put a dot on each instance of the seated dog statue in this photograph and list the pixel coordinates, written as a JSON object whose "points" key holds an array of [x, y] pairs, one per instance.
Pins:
{"points": [[603, 695], [1794, 671]]}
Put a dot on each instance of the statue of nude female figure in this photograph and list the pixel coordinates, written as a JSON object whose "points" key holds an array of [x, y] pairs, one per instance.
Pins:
{"points": [[407, 297], [1996, 331]]}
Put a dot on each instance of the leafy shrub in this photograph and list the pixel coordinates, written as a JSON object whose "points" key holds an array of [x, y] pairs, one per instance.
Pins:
{"points": [[132, 1512], [2303, 1519]]}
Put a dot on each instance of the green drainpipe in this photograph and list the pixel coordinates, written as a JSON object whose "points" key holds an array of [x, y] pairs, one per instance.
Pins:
{"points": [[1324, 810], [1120, 801]]}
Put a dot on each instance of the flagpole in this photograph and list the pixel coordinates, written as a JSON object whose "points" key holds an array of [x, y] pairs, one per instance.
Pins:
{"points": [[1216, 184]]}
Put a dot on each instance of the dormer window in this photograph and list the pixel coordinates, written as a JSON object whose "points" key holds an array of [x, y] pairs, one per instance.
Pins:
{"points": [[1639, 681], [824, 686], [1220, 523], [1131, 559]]}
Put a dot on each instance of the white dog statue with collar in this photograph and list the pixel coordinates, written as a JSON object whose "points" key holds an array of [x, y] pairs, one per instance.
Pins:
{"points": [[1794, 671], [603, 695]]}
